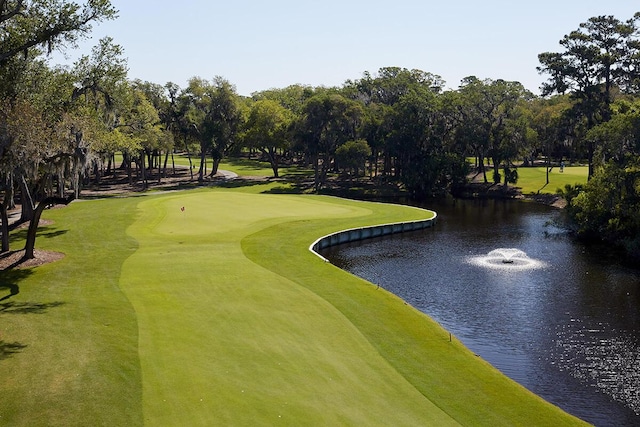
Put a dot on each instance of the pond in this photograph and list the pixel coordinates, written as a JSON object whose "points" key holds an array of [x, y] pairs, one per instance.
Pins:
{"points": [[561, 318]]}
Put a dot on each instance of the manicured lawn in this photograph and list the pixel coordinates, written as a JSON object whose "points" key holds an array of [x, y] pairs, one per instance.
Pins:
{"points": [[534, 179], [217, 314], [244, 166]]}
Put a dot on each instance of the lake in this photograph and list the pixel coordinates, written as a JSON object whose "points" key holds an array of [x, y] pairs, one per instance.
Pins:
{"points": [[563, 321]]}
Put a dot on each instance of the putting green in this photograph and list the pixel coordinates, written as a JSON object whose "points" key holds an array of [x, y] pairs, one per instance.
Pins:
{"points": [[206, 308]]}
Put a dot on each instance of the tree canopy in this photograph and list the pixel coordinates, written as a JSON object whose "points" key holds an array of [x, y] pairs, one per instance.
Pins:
{"points": [[61, 128]]}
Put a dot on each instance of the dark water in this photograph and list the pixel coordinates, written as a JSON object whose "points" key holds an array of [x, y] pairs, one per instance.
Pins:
{"points": [[567, 328]]}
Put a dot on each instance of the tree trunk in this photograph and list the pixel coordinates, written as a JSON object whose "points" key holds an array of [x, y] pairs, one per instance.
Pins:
{"points": [[143, 170], [316, 172], [496, 171], [7, 204], [590, 152], [272, 155], [214, 167], [186, 147], [26, 201], [129, 171], [33, 225], [203, 160], [166, 161], [548, 164], [108, 169], [4, 217]]}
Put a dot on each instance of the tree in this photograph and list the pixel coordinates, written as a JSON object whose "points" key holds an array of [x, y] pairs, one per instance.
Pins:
{"points": [[425, 163], [552, 130], [157, 95], [293, 97], [28, 123], [607, 206], [379, 93], [328, 120], [141, 125], [352, 156], [49, 23], [495, 120], [267, 127], [30, 243], [390, 84], [22, 131], [599, 59], [215, 117], [178, 120], [100, 96]]}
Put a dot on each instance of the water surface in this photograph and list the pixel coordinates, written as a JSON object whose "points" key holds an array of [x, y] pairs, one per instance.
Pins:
{"points": [[567, 329]]}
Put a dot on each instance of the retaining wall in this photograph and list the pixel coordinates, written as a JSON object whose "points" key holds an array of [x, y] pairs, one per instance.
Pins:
{"points": [[362, 233]]}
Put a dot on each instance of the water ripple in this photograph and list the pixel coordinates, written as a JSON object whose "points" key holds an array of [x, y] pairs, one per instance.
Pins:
{"points": [[599, 355]]}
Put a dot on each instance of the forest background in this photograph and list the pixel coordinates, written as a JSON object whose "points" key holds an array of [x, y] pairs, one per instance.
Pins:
{"points": [[65, 128]]}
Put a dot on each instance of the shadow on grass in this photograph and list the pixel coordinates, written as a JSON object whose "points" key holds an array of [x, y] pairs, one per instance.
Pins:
{"points": [[28, 307], [291, 188], [20, 235], [250, 164], [13, 290], [51, 234], [542, 188], [239, 183], [9, 280], [8, 349]]}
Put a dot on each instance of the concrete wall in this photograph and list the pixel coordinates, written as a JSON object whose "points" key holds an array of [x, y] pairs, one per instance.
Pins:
{"points": [[363, 233]]}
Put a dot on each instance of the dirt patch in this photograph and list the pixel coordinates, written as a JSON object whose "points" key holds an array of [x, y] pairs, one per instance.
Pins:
{"points": [[548, 199], [120, 185], [13, 259]]}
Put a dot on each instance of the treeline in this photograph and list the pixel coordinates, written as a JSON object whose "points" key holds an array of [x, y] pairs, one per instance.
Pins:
{"points": [[61, 128]]}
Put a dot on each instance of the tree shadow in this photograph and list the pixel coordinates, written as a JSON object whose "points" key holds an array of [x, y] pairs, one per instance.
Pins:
{"points": [[240, 183], [13, 290], [8, 349], [542, 188], [45, 233], [28, 307], [9, 280], [252, 164], [288, 189], [20, 235]]}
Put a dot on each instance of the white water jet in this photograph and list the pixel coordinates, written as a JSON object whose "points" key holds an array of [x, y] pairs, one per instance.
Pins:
{"points": [[506, 259]]}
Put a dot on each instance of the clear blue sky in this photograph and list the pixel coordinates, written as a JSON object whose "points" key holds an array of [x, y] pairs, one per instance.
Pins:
{"points": [[258, 45]]}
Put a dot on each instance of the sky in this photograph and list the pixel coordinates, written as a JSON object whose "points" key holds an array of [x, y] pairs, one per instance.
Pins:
{"points": [[259, 45]]}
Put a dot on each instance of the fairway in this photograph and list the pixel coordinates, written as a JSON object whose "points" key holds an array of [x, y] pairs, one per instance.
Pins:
{"points": [[205, 308], [533, 180], [254, 338]]}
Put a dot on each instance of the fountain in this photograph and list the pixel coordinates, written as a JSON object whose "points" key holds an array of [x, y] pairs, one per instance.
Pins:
{"points": [[506, 258]]}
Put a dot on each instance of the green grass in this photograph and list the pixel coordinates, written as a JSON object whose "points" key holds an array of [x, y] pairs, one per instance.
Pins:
{"points": [[219, 315], [534, 179], [245, 167]]}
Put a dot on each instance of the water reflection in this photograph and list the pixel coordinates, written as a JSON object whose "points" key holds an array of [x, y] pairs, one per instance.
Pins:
{"points": [[568, 331]]}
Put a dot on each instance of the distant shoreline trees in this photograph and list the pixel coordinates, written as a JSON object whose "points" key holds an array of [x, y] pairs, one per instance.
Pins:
{"points": [[599, 70]]}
